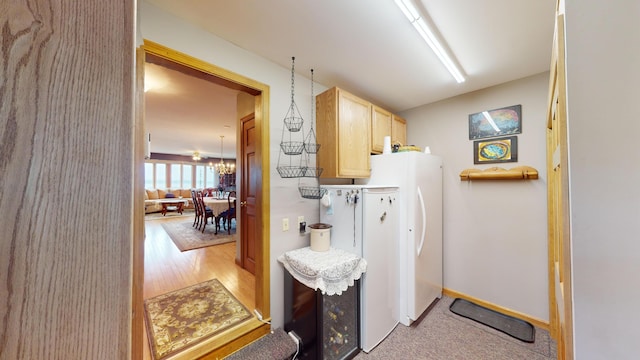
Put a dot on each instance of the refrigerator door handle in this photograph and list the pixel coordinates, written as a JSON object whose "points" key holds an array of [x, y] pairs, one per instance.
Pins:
{"points": [[424, 222]]}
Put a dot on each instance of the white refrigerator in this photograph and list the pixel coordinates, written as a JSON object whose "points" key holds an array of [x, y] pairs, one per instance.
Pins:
{"points": [[364, 222], [419, 179]]}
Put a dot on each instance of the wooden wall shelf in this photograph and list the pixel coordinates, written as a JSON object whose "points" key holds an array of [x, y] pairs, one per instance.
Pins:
{"points": [[496, 173]]}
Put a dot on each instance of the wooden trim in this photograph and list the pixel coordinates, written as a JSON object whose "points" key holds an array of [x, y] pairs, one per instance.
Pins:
{"points": [[247, 333], [535, 321], [263, 297], [496, 173], [137, 284]]}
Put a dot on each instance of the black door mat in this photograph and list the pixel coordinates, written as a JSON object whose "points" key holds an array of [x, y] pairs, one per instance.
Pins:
{"points": [[277, 345], [509, 325]]}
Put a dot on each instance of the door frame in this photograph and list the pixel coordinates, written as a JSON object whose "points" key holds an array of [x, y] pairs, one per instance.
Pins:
{"points": [[252, 329]]}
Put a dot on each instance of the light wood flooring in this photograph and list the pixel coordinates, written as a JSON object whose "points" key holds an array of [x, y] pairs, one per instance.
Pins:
{"points": [[167, 269]]}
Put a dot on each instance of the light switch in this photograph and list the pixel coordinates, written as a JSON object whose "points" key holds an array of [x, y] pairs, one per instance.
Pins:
{"points": [[285, 224]]}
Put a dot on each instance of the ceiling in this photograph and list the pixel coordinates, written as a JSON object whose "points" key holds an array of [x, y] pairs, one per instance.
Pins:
{"points": [[366, 47]]}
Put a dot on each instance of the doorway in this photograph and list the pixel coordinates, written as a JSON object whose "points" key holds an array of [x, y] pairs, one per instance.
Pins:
{"points": [[254, 328]]}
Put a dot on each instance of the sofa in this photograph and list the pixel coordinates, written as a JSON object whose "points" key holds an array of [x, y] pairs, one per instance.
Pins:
{"points": [[151, 196]]}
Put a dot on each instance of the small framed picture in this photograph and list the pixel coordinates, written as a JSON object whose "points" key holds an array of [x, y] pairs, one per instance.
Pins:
{"points": [[496, 150], [497, 122]]}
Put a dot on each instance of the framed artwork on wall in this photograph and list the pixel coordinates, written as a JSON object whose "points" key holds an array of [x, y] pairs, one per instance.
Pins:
{"points": [[497, 122], [496, 150]]}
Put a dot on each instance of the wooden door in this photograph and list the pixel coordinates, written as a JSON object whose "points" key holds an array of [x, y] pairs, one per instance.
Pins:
{"points": [[354, 135], [398, 131], [560, 305], [248, 193], [380, 127]]}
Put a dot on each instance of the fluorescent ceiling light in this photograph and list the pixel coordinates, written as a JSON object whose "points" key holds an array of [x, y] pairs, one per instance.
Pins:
{"points": [[421, 26], [490, 120]]}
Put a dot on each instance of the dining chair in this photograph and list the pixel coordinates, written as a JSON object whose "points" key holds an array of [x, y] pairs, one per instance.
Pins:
{"points": [[231, 211], [207, 213], [198, 213]]}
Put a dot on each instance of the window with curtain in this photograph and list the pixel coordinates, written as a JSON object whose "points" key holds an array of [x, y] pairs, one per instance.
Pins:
{"points": [[176, 176], [161, 176], [148, 176], [187, 175], [211, 179], [200, 176]]}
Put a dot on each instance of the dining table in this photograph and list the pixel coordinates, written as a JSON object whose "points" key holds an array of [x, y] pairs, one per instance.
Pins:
{"points": [[216, 205]]}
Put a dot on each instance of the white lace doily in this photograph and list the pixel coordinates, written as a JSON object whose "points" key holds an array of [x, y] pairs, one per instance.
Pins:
{"points": [[332, 271]]}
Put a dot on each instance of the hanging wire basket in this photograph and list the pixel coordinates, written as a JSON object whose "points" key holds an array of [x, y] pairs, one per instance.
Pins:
{"points": [[292, 147], [310, 145], [290, 171], [293, 120], [312, 172], [311, 192]]}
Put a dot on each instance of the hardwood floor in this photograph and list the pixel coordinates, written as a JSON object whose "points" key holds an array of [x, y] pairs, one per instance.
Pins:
{"points": [[167, 269]]}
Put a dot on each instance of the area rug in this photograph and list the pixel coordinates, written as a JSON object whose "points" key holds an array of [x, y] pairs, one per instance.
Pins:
{"points": [[509, 325], [277, 345], [183, 318], [170, 215], [186, 237]]}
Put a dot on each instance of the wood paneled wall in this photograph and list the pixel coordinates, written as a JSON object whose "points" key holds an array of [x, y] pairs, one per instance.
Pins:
{"points": [[66, 173]]}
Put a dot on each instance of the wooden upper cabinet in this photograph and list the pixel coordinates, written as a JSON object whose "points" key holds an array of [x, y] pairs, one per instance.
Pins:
{"points": [[380, 127], [398, 131], [344, 134]]}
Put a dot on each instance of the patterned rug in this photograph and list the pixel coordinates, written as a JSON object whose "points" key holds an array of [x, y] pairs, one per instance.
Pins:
{"points": [[170, 215], [186, 237], [183, 318]]}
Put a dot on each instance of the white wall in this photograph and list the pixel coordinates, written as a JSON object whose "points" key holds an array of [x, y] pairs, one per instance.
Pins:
{"points": [[495, 232], [603, 54], [160, 27]]}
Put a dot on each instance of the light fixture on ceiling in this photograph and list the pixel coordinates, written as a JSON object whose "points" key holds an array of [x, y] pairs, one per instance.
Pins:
{"points": [[425, 32], [196, 156], [488, 117], [221, 167]]}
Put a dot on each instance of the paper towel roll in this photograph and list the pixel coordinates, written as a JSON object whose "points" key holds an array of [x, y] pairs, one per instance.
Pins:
{"points": [[386, 148]]}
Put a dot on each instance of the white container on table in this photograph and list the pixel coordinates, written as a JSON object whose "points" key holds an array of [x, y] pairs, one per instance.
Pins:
{"points": [[320, 237]]}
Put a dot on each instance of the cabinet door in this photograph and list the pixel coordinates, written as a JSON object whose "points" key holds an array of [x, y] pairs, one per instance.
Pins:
{"points": [[354, 134], [380, 127], [398, 131]]}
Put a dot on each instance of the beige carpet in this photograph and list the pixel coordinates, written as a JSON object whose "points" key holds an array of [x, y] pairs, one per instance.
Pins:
{"points": [[178, 320], [186, 237]]}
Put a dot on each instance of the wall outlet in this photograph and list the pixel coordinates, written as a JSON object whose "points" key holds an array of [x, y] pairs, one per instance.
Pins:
{"points": [[285, 224]]}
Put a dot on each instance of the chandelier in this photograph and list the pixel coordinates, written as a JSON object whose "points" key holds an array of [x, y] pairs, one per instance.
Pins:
{"points": [[196, 156], [221, 167]]}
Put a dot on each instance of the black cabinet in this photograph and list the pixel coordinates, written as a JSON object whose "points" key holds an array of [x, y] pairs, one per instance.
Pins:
{"points": [[328, 325]]}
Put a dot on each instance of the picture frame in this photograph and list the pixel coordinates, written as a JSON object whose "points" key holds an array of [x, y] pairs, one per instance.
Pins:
{"points": [[496, 122], [498, 150]]}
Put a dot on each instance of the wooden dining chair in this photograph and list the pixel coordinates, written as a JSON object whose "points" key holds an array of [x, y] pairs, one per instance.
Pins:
{"points": [[207, 213], [198, 213], [231, 211]]}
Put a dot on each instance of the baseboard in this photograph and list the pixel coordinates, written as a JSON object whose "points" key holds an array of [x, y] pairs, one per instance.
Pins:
{"points": [[535, 321]]}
